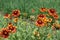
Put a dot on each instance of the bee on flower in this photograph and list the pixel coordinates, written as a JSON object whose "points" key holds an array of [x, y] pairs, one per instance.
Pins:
{"points": [[16, 13]]}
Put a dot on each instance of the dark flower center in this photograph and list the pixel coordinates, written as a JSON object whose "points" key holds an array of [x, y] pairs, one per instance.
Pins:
{"points": [[41, 16], [5, 33], [39, 22], [15, 12], [57, 28], [52, 11], [6, 14], [11, 28], [42, 8], [10, 23], [55, 15]]}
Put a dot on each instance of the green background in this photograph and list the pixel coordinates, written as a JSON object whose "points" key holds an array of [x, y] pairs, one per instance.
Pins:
{"points": [[28, 5]]}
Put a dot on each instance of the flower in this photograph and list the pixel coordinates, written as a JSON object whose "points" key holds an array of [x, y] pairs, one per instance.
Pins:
{"points": [[56, 16], [11, 28], [7, 16], [51, 12], [15, 13], [45, 20], [32, 17], [41, 16], [50, 20], [36, 33], [33, 10], [43, 9], [48, 35], [10, 24], [15, 20], [56, 26], [4, 33], [40, 23]]}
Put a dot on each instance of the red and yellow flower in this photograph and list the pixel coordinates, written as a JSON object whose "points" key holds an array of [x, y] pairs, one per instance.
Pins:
{"points": [[11, 28], [56, 26], [41, 16], [4, 33], [50, 20], [15, 20], [16, 13], [40, 23], [45, 20], [56, 16], [51, 12], [7, 16], [43, 9], [10, 24]]}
